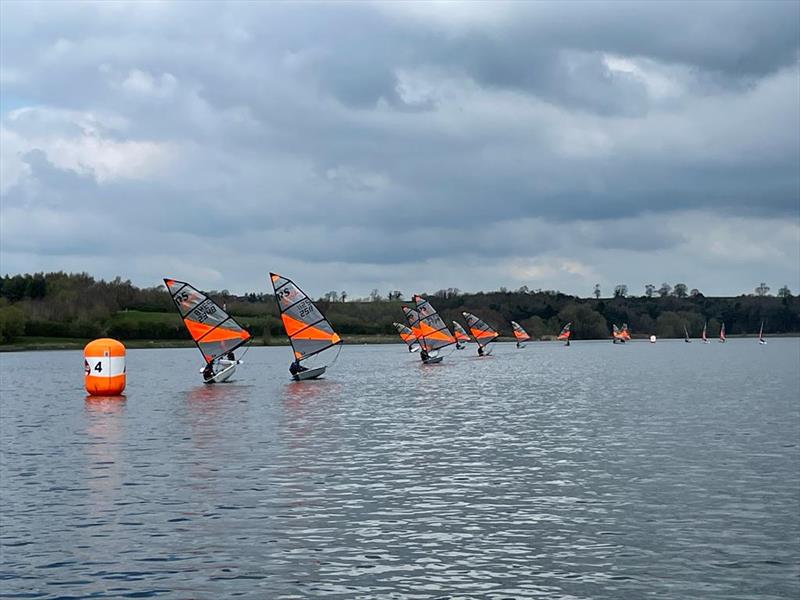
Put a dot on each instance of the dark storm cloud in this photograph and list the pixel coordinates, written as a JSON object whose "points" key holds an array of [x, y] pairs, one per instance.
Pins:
{"points": [[392, 134]]}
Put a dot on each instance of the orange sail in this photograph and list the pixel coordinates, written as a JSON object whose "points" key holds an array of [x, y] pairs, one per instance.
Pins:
{"points": [[309, 331], [433, 333], [482, 333], [407, 336], [412, 318], [566, 331], [519, 332], [213, 330], [460, 333]]}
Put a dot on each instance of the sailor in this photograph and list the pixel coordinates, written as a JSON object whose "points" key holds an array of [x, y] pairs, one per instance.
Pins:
{"points": [[423, 354], [567, 344], [296, 368], [230, 356], [208, 372], [518, 345], [480, 350]]}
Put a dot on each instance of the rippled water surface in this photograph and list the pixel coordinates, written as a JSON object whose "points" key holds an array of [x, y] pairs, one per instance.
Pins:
{"points": [[595, 471]]}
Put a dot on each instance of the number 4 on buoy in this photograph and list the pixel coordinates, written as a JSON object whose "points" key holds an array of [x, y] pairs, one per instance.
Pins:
{"points": [[104, 367]]}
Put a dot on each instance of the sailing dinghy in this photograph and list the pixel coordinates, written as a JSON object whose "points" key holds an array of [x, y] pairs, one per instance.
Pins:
{"points": [[566, 332], [617, 335], [519, 333], [686, 335], [461, 335], [407, 336], [761, 339], [215, 332], [433, 333], [722, 337], [309, 331], [704, 335], [482, 333]]}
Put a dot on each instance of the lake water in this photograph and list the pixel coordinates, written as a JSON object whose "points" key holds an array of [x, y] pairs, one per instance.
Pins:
{"points": [[594, 471]]}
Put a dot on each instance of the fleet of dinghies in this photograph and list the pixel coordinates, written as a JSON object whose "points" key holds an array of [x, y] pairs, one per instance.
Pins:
{"points": [[315, 344]]}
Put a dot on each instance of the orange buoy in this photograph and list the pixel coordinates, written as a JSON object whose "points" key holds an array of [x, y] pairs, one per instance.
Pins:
{"points": [[104, 367]]}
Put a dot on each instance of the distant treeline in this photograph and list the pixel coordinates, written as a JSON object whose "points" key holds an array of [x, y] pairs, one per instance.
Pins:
{"points": [[61, 305]]}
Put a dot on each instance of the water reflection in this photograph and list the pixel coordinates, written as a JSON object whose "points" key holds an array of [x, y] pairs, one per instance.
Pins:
{"points": [[104, 432]]}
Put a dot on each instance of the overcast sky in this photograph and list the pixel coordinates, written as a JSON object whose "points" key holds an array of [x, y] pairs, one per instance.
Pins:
{"points": [[404, 146]]}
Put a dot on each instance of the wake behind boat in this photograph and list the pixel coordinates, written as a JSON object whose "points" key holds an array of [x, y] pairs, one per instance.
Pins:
{"points": [[309, 331], [216, 334]]}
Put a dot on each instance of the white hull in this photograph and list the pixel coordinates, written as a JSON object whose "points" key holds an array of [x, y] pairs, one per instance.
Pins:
{"points": [[762, 342], [433, 360], [310, 374], [223, 375]]}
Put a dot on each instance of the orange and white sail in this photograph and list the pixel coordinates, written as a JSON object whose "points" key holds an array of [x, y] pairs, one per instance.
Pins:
{"points": [[412, 318], [433, 333], [460, 333], [407, 336], [704, 335], [566, 331], [519, 332], [213, 330], [624, 332], [482, 333], [722, 337], [309, 331]]}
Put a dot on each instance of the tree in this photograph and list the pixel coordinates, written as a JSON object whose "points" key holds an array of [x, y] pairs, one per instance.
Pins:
{"points": [[597, 290], [374, 295], [785, 292], [762, 290], [664, 290], [395, 295], [12, 323], [522, 290], [680, 290], [695, 293], [620, 291], [343, 296], [331, 296], [649, 290]]}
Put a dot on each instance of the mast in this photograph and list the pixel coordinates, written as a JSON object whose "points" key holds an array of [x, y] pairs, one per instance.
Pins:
{"points": [[309, 331], [214, 331], [482, 333], [433, 333]]}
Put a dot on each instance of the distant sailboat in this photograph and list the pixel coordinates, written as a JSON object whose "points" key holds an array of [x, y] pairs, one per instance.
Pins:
{"points": [[565, 334], [407, 336], [761, 339], [461, 335], [309, 331], [686, 335], [215, 332], [620, 336], [519, 333], [722, 337], [433, 333], [704, 335], [482, 333]]}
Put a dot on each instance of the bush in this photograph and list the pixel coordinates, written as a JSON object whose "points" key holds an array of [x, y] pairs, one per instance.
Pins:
{"points": [[12, 323]]}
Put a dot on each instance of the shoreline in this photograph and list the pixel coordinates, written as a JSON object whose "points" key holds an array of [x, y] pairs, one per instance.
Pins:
{"points": [[50, 344]]}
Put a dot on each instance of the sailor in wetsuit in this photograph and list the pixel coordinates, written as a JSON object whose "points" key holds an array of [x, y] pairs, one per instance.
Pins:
{"points": [[423, 354], [208, 372], [296, 368], [480, 350]]}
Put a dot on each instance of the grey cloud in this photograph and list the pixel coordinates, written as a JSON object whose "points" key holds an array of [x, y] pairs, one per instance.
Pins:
{"points": [[281, 116]]}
